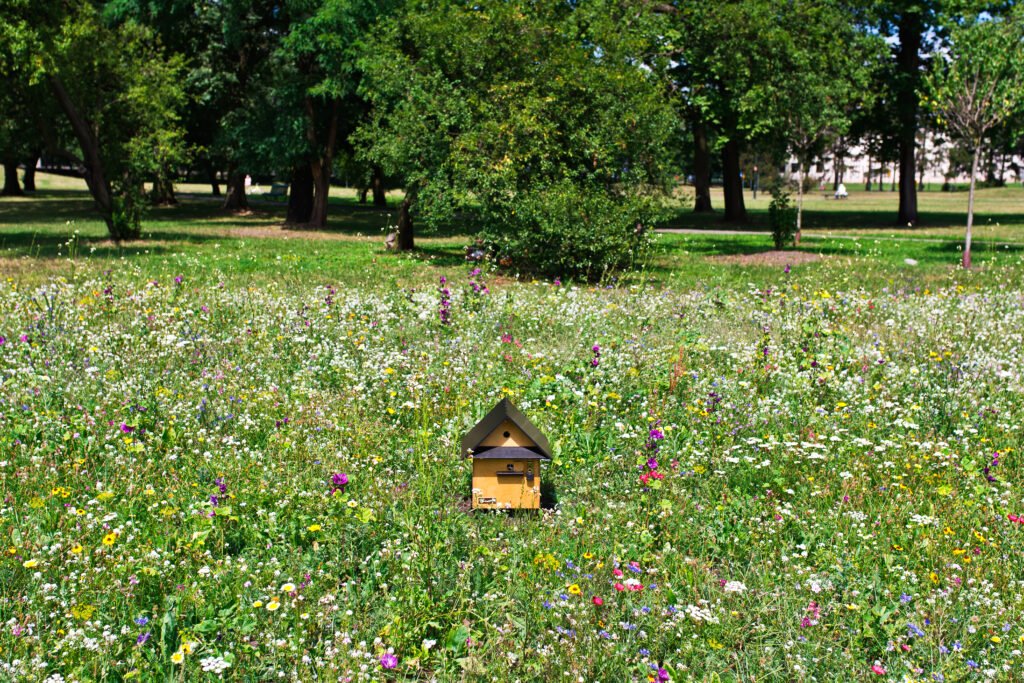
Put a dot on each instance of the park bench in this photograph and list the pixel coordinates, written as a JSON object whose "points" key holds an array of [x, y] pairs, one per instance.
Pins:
{"points": [[278, 191]]}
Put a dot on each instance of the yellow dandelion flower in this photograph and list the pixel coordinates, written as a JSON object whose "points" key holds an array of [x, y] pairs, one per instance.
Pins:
{"points": [[77, 548], [574, 589], [29, 564], [109, 539], [314, 527], [257, 604]]}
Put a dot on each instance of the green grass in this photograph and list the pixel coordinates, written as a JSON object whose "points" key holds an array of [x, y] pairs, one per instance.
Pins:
{"points": [[757, 476], [351, 250]]}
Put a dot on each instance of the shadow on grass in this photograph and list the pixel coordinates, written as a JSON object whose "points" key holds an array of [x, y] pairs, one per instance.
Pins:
{"points": [[842, 219], [201, 213]]}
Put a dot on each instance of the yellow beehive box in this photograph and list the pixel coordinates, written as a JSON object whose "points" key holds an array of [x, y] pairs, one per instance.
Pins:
{"points": [[507, 450]]}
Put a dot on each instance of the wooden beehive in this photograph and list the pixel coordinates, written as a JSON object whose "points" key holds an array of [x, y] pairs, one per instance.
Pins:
{"points": [[507, 450]]}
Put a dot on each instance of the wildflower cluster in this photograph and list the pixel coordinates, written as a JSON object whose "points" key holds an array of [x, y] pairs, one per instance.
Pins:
{"points": [[255, 481]]}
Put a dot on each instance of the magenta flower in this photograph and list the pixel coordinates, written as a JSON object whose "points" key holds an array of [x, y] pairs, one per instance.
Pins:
{"points": [[388, 661], [339, 480]]}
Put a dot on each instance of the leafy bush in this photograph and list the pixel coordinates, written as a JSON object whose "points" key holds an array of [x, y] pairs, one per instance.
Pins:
{"points": [[571, 230], [782, 217]]}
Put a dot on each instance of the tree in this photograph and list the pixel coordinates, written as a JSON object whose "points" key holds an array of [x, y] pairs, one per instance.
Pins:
{"points": [[979, 85], [538, 119], [821, 78], [118, 92]]}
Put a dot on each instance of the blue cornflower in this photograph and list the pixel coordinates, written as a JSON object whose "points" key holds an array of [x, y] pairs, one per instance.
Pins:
{"points": [[142, 621]]}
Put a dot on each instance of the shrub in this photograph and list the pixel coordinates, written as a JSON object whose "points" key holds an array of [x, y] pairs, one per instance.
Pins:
{"points": [[782, 217], [571, 230]]}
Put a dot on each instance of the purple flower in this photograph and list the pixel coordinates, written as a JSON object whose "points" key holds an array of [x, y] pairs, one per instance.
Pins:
{"points": [[126, 429], [141, 640], [219, 481], [178, 280], [388, 661], [445, 305], [3, 340], [663, 676], [141, 621], [904, 598], [213, 501], [652, 464], [339, 480], [786, 269]]}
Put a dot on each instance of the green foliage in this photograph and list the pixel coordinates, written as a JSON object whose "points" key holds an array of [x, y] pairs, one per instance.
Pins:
{"points": [[979, 84], [123, 91], [571, 230], [782, 216], [476, 107]]}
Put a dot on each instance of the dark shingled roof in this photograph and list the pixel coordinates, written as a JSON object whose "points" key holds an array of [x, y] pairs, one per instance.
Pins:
{"points": [[501, 412]]}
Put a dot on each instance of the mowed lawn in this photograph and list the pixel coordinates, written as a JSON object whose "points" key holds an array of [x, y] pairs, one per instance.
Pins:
{"points": [[350, 249], [231, 452]]}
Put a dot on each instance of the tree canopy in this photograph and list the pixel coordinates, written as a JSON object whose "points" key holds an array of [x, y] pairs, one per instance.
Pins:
{"points": [[556, 130]]}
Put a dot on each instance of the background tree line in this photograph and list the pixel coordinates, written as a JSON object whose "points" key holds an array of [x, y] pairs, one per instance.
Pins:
{"points": [[559, 127]]}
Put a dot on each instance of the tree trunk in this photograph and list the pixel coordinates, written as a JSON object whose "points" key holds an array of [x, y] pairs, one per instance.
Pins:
{"points": [[837, 166], [732, 184], [970, 206], [405, 227], [163, 193], [235, 199], [701, 169], [30, 172], [799, 205], [321, 167], [908, 61], [214, 183], [363, 191], [300, 195], [95, 174], [321, 187], [11, 186], [867, 183], [892, 186], [380, 196]]}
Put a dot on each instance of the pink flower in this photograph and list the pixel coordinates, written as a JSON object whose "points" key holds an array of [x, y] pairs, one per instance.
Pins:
{"points": [[619, 587], [878, 669], [388, 661], [1015, 518], [597, 600], [617, 572]]}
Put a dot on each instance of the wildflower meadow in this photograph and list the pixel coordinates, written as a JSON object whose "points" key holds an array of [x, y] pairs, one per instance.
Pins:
{"points": [[207, 480]]}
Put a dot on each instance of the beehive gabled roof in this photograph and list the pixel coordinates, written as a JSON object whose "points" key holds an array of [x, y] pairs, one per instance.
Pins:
{"points": [[501, 412]]}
